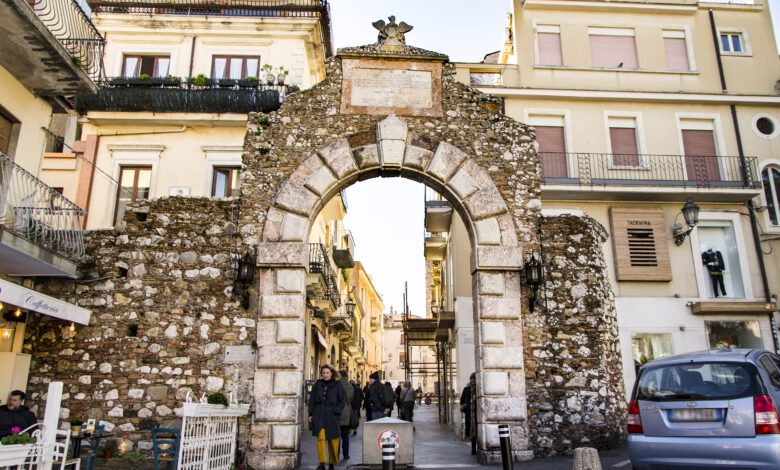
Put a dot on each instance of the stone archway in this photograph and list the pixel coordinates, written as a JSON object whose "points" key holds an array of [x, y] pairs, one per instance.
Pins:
{"points": [[283, 257]]}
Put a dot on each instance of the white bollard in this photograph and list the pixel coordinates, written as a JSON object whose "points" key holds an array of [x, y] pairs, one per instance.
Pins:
{"points": [[586, 458]]}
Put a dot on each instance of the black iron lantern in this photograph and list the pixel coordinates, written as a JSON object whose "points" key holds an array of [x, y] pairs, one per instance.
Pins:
{"points": [[534, 276], [350, 307], [246, 268], [690, 212]]}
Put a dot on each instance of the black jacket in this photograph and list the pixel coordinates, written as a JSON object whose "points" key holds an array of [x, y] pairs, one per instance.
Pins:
{"points": [[376, 393], [357, 402], [20, 417], [326, 403]]}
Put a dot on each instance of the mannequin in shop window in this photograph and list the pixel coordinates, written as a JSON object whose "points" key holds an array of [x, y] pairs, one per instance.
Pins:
{"points": [[713, 260]]}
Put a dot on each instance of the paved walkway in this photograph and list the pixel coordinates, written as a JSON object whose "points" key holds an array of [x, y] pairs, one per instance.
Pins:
{"points": [[435, 447]]}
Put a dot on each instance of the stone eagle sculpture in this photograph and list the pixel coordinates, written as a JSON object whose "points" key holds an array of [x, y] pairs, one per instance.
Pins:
{"points": [[391, 35]]}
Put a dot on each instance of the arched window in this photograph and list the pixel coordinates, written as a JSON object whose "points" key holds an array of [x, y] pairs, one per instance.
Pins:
{"points": [[771, 178]]}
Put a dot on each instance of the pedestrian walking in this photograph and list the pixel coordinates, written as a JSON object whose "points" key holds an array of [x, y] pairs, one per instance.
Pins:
{"points": [[419, 395], [346, 414], [398, 389], [407, 399], [357, 402], [376, 398], [468, 406], [389, 397], [326, 404]]}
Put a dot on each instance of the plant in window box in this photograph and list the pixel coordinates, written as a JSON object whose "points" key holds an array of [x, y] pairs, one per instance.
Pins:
{"points": [[227, 83], [281, 75], [269, 74], [248, 82], [199, 82], [15, 448]]}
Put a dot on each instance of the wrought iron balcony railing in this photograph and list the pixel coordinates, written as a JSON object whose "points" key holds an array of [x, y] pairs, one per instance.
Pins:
{"points": [[36, 212], [73, 29], [650, 170], [259, 8], [319, 263]]}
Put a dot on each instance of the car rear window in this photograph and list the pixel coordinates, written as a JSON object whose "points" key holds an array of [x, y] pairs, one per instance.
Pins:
{"points": [[698, 381]]}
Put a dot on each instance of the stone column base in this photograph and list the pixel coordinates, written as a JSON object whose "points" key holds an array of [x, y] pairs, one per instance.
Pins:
{"points": [[275, 460], [493, 457]]}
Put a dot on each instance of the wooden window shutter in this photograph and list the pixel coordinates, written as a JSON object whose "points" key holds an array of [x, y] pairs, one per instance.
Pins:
{"points": [[552, 150], [701, 161], [641, 244], [676, 54], [550, 49], [612, 51], [624, 148]]}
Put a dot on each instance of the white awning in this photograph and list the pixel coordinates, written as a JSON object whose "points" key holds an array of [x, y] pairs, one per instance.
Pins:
{"points": [[320, 338], [29, 299]]}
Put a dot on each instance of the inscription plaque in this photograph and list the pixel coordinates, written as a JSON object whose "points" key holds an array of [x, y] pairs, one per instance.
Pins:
{"points": [[393, 88]]}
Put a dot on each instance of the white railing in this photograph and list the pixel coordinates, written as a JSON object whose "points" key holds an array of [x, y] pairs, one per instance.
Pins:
{"points": [[34, 211], [208, 435]]}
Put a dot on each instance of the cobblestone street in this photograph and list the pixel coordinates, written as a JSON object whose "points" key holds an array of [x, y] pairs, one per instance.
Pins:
{"points": [[435, 447]]}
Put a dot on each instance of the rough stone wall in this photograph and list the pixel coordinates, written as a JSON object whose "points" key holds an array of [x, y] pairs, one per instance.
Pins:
{"points": [[176, 292], [573, 365]]}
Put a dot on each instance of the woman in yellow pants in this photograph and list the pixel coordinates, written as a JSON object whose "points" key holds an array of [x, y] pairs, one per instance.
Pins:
{"points": [[326, 403]]}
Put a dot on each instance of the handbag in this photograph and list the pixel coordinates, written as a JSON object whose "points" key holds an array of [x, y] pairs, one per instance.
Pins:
{"points": [[354, 420]]}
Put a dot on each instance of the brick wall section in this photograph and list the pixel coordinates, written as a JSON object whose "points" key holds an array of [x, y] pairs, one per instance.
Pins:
{"points": [[573, 360], [176, 291]]}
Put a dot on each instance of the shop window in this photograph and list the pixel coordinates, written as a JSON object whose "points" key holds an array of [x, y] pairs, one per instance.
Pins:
{"points": [[734, 334], [720, 257], [135, 184], [771, 179], [225, 182], [650, 346], [133, 66], [235, 67]]}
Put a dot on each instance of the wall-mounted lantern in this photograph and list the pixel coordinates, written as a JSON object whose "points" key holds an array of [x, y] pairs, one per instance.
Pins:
{"points": [[690, 212], [245, 275], [534, 276]]}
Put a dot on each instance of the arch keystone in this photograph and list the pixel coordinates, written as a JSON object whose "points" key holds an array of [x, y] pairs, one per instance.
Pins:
{"points": [[391, 135]]}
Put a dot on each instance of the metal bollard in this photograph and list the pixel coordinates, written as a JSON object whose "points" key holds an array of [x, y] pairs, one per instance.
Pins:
{"points": [[388, 456], [506, 447]]}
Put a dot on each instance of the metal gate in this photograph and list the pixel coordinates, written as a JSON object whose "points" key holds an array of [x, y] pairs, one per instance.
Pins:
{"points": [[208, 435]]}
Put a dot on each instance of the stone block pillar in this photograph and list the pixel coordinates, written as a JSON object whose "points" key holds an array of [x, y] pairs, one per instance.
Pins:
{"points": [[278, 417]]}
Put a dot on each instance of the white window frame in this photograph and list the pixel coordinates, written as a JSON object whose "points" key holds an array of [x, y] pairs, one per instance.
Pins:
{"points": [[747, 51], [769, 226], [134, 155], [641, 143], [217, 156], [701, 277], [683, 32], [546, 28], [529, 115], [754, 125], [698, 121]]}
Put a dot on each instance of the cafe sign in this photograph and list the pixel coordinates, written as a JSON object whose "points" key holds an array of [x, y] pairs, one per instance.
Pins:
{"points": [[29, 299]]}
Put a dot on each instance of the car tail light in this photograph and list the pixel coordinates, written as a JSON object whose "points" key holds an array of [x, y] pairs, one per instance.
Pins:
{"points": [[767, 421], [634, 421]]}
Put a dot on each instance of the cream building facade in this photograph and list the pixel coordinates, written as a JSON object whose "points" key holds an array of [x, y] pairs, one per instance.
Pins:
{"points": [[639, 107], [170, 119]]}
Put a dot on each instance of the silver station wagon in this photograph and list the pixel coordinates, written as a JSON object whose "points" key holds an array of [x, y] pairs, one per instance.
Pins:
{"points": [[709, 409]]}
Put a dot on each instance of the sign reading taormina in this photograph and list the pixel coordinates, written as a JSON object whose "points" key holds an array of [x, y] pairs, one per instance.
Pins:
{"points": [[347, 129]]}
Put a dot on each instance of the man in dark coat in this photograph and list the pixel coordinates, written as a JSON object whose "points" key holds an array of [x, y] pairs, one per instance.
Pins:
{"points": [[15, 415], [468, 406], [397, 391], [357, 402], [376, 398], [326, 404], [346, 415], [367, 401]]}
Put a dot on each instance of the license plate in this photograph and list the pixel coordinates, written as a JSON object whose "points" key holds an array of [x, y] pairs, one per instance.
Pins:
{"points": [[693, 415]]}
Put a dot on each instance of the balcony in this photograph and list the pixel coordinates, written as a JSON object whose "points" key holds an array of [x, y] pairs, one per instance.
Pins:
{"points": [[438, 216], [172, 95], [344, 257], [321, 283], [318, 9], [649, 177], [40, 230], [52, 48]]}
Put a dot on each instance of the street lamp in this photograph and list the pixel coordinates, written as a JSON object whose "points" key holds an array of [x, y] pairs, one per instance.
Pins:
{"points": [[350, 307], [534, 276], [245, 275], [690, 212]]}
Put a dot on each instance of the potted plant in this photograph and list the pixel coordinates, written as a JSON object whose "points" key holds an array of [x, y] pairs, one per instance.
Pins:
{"points": [[15, 448], [269, 75], [109, 448], [248, 82], [199, 82], [75, 427], [218, 399], [281, 75]]}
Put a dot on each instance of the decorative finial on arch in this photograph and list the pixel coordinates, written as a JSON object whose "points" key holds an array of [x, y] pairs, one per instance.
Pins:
{"points": [[391, 35]]}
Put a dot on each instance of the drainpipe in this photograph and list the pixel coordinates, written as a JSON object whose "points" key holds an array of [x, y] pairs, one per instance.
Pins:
{"points": [[746, 182], [97, 146], [192, 55]]}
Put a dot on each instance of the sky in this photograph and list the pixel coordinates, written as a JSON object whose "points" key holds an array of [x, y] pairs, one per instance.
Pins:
{"points": [[386, 215]]}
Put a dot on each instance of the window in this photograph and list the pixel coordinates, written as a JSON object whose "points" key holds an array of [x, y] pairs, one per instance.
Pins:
{"points": [[548, 43], [650, 346], [56, 197], [6, 130], [770, 366], [702, 380], [698, 140], [225, 182], [613, 48], [623, 141], [676, 51], [734, 334], [134, 184], [765, 126], [732, 43], [551, 137], [771, 179], [234, 67], [134, 66], [720, 258]]}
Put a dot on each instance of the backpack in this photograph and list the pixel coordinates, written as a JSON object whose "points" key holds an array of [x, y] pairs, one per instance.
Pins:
{"points": [[388, 397]]}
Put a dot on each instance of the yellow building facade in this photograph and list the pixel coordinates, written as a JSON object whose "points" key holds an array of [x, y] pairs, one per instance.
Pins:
{"points": [[638, 108]]}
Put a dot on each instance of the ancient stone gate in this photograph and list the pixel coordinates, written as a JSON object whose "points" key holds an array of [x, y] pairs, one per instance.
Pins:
{"points": [[387, 114]]}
